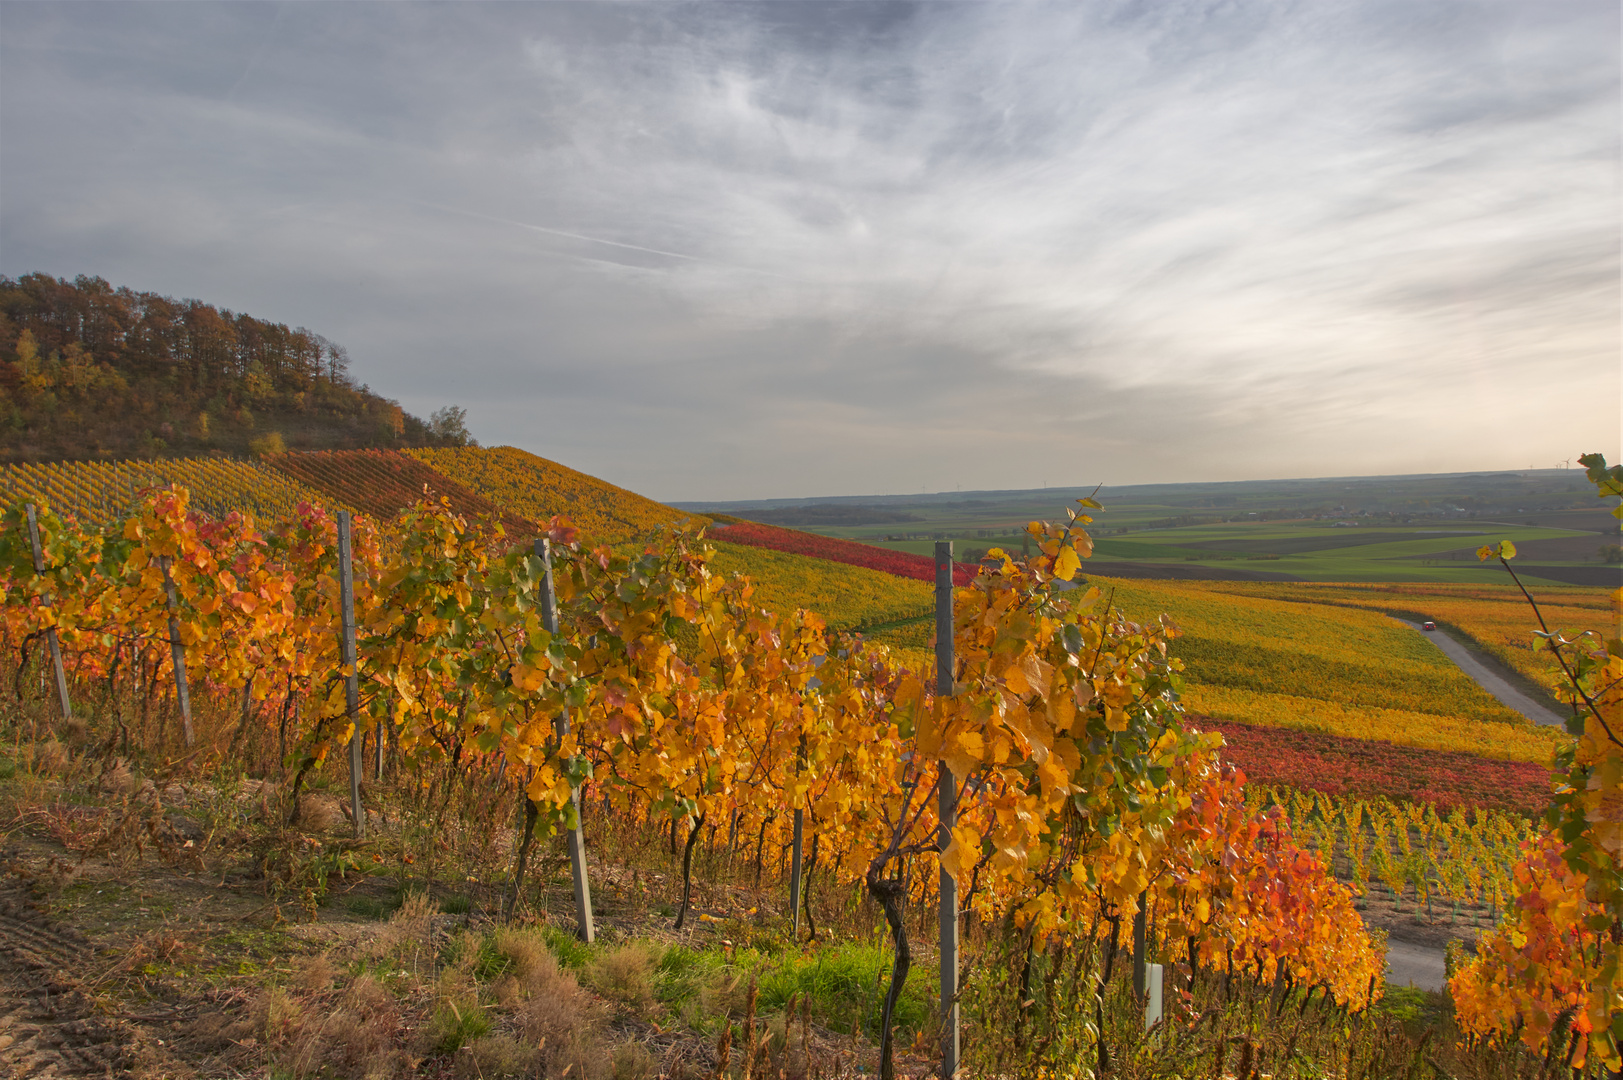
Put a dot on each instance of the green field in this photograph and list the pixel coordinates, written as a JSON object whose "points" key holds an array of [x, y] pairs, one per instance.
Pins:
{"points": [[1416, 528]]}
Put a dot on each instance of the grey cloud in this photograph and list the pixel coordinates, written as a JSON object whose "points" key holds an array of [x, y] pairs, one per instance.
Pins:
{"points": [[719, 251]]}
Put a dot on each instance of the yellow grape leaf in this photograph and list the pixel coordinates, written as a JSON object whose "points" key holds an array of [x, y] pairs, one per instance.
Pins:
{"points": [[965, 754], [1053, 777], [1067, 564], [962, 851], [528, 678], [1507, 550]]}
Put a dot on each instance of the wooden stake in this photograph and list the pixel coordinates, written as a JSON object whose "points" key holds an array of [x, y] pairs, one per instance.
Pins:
{"points": [[352, 685], [177, 653], [948, 807], [794, 873], [560, 725], [50, 634]]}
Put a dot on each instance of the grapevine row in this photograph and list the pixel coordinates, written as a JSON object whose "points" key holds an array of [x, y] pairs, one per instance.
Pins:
{"points": [[1081, 793]]}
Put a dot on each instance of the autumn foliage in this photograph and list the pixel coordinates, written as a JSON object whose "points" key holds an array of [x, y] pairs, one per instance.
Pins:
{"points": [[900, 563], [1080, 788], [1554, 968], [1373, 768]]}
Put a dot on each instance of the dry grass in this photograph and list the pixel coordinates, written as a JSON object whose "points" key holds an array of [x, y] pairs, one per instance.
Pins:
{"points": [[320, 813], [313, 974], [625, 975]]}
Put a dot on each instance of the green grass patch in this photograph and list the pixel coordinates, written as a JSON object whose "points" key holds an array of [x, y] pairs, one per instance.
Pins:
{"points": [[571, 951], [845, 983], [457, 1023], [372, 907]]}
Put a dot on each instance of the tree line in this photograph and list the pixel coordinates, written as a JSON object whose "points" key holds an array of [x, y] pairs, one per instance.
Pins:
{"points": [[92, 371]]}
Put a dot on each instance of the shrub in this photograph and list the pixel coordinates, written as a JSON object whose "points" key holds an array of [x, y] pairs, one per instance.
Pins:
{"points": [[267, 444]]}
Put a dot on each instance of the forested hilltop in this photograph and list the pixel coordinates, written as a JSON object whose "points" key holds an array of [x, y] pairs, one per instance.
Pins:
{"points": [[90, 371]]}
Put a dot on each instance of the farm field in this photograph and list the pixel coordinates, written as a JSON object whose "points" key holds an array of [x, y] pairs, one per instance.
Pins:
{"points": [[1493, 618], [1417, 528], [1316, 551], [901, 564], [847, 597]]}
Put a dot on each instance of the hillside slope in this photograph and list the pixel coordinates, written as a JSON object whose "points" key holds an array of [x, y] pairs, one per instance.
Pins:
{"points": [[847, 597], [533, 487], [384, 482]]}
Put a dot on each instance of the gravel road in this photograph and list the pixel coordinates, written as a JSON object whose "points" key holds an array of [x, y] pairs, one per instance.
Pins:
{"points": [[1507, 694], [1408, 964]]}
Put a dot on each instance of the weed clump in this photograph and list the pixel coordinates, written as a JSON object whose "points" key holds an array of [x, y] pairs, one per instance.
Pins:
{"points": [[625, 975]]}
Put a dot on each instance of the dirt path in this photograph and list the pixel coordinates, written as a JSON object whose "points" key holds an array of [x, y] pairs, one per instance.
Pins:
{"points": [[48, 1028], [1489, 680]]}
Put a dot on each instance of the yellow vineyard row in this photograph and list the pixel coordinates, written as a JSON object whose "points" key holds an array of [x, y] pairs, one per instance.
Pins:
{"points": [[1496, 617], [1263, 643], [846, 596], [102, 491], [1511, 740], [535, 488], [1414, 851]]}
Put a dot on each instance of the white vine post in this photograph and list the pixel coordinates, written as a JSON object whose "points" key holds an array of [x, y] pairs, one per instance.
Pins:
{"points": [[352, 684], [794, 874], [560, 725], [50, 633], [177, 653], [948, 795]]}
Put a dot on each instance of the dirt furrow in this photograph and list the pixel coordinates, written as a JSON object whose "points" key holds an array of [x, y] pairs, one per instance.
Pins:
{"points": [[48, 1027]]}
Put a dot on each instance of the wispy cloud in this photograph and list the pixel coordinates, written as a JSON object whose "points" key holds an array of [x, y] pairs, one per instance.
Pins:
{"points": [[725, 250]]}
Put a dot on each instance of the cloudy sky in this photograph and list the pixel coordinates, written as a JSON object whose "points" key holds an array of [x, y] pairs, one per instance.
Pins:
{"points": [[730, 251]]}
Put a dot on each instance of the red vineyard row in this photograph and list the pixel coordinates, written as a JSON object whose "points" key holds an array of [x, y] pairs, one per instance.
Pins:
{"points": [[384, 482], [1366, 768], [899, 563]]}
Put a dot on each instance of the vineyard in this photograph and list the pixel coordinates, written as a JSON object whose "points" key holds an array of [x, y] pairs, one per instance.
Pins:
{"points": [[851, 596], [898, 563], [99, 492], [1460, 858], [1350, 657], [1491, 617], [537, 489], [1064, 717], [501, 701], [385, 482], [1511, 740], [1316, 659]]}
